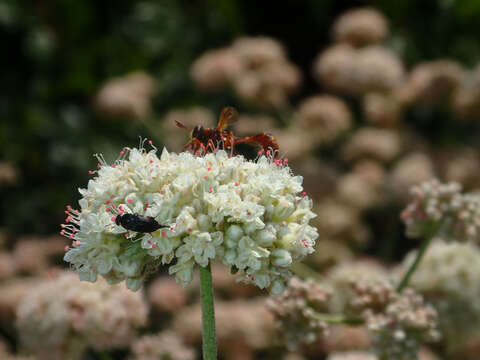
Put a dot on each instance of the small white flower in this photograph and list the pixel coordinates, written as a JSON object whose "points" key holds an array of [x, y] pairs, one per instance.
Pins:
{"points": [[251, 215]]}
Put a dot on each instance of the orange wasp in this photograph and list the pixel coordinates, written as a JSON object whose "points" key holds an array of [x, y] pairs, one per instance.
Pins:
{"points": [[205, 140]]}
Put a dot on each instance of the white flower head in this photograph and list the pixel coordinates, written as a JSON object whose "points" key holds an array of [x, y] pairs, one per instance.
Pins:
{"points": [[251, 215]]}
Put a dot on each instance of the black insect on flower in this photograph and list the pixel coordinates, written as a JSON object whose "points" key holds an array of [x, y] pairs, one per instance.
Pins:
{"points": [[138, 223]]}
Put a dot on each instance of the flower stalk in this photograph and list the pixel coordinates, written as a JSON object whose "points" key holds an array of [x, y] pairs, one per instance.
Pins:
{"points": [[421, 252], [209, 343]]}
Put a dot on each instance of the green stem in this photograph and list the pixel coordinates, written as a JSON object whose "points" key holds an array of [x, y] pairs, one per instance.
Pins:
{"points": [[338, 319], [304, 271], [209, 344], [421, 252]]}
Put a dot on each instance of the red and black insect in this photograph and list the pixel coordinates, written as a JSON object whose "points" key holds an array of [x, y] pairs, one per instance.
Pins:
{"points": [[206, 140], [138, 223]]}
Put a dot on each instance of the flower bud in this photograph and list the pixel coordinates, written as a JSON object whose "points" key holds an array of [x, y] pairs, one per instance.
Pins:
{"points": [[233, 235], [281, 257], [266, 237], [283, 210]]}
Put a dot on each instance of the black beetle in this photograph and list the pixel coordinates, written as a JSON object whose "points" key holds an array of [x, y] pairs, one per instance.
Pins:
{"points": [[138, 223]]}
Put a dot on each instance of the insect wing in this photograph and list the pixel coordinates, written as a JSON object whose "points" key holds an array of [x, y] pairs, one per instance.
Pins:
{"points": [[227, 116]]}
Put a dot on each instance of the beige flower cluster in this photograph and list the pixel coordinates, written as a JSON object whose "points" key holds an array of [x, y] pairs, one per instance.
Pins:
{"points": [[296, 312], [126, 96], [399, 322], [61, 318], [163, 346], [256, 67], [324, 117], [360, 27], [343, 68]]}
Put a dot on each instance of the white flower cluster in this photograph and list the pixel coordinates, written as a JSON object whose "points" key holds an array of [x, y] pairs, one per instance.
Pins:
{"points": [[443, 208], [60, 319], [447, 270], [251, 215], [449, 278]]}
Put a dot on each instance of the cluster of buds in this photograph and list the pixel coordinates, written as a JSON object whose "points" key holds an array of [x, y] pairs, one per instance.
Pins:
{"points": [[399, 322], [296, 311], [444, 209]]}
